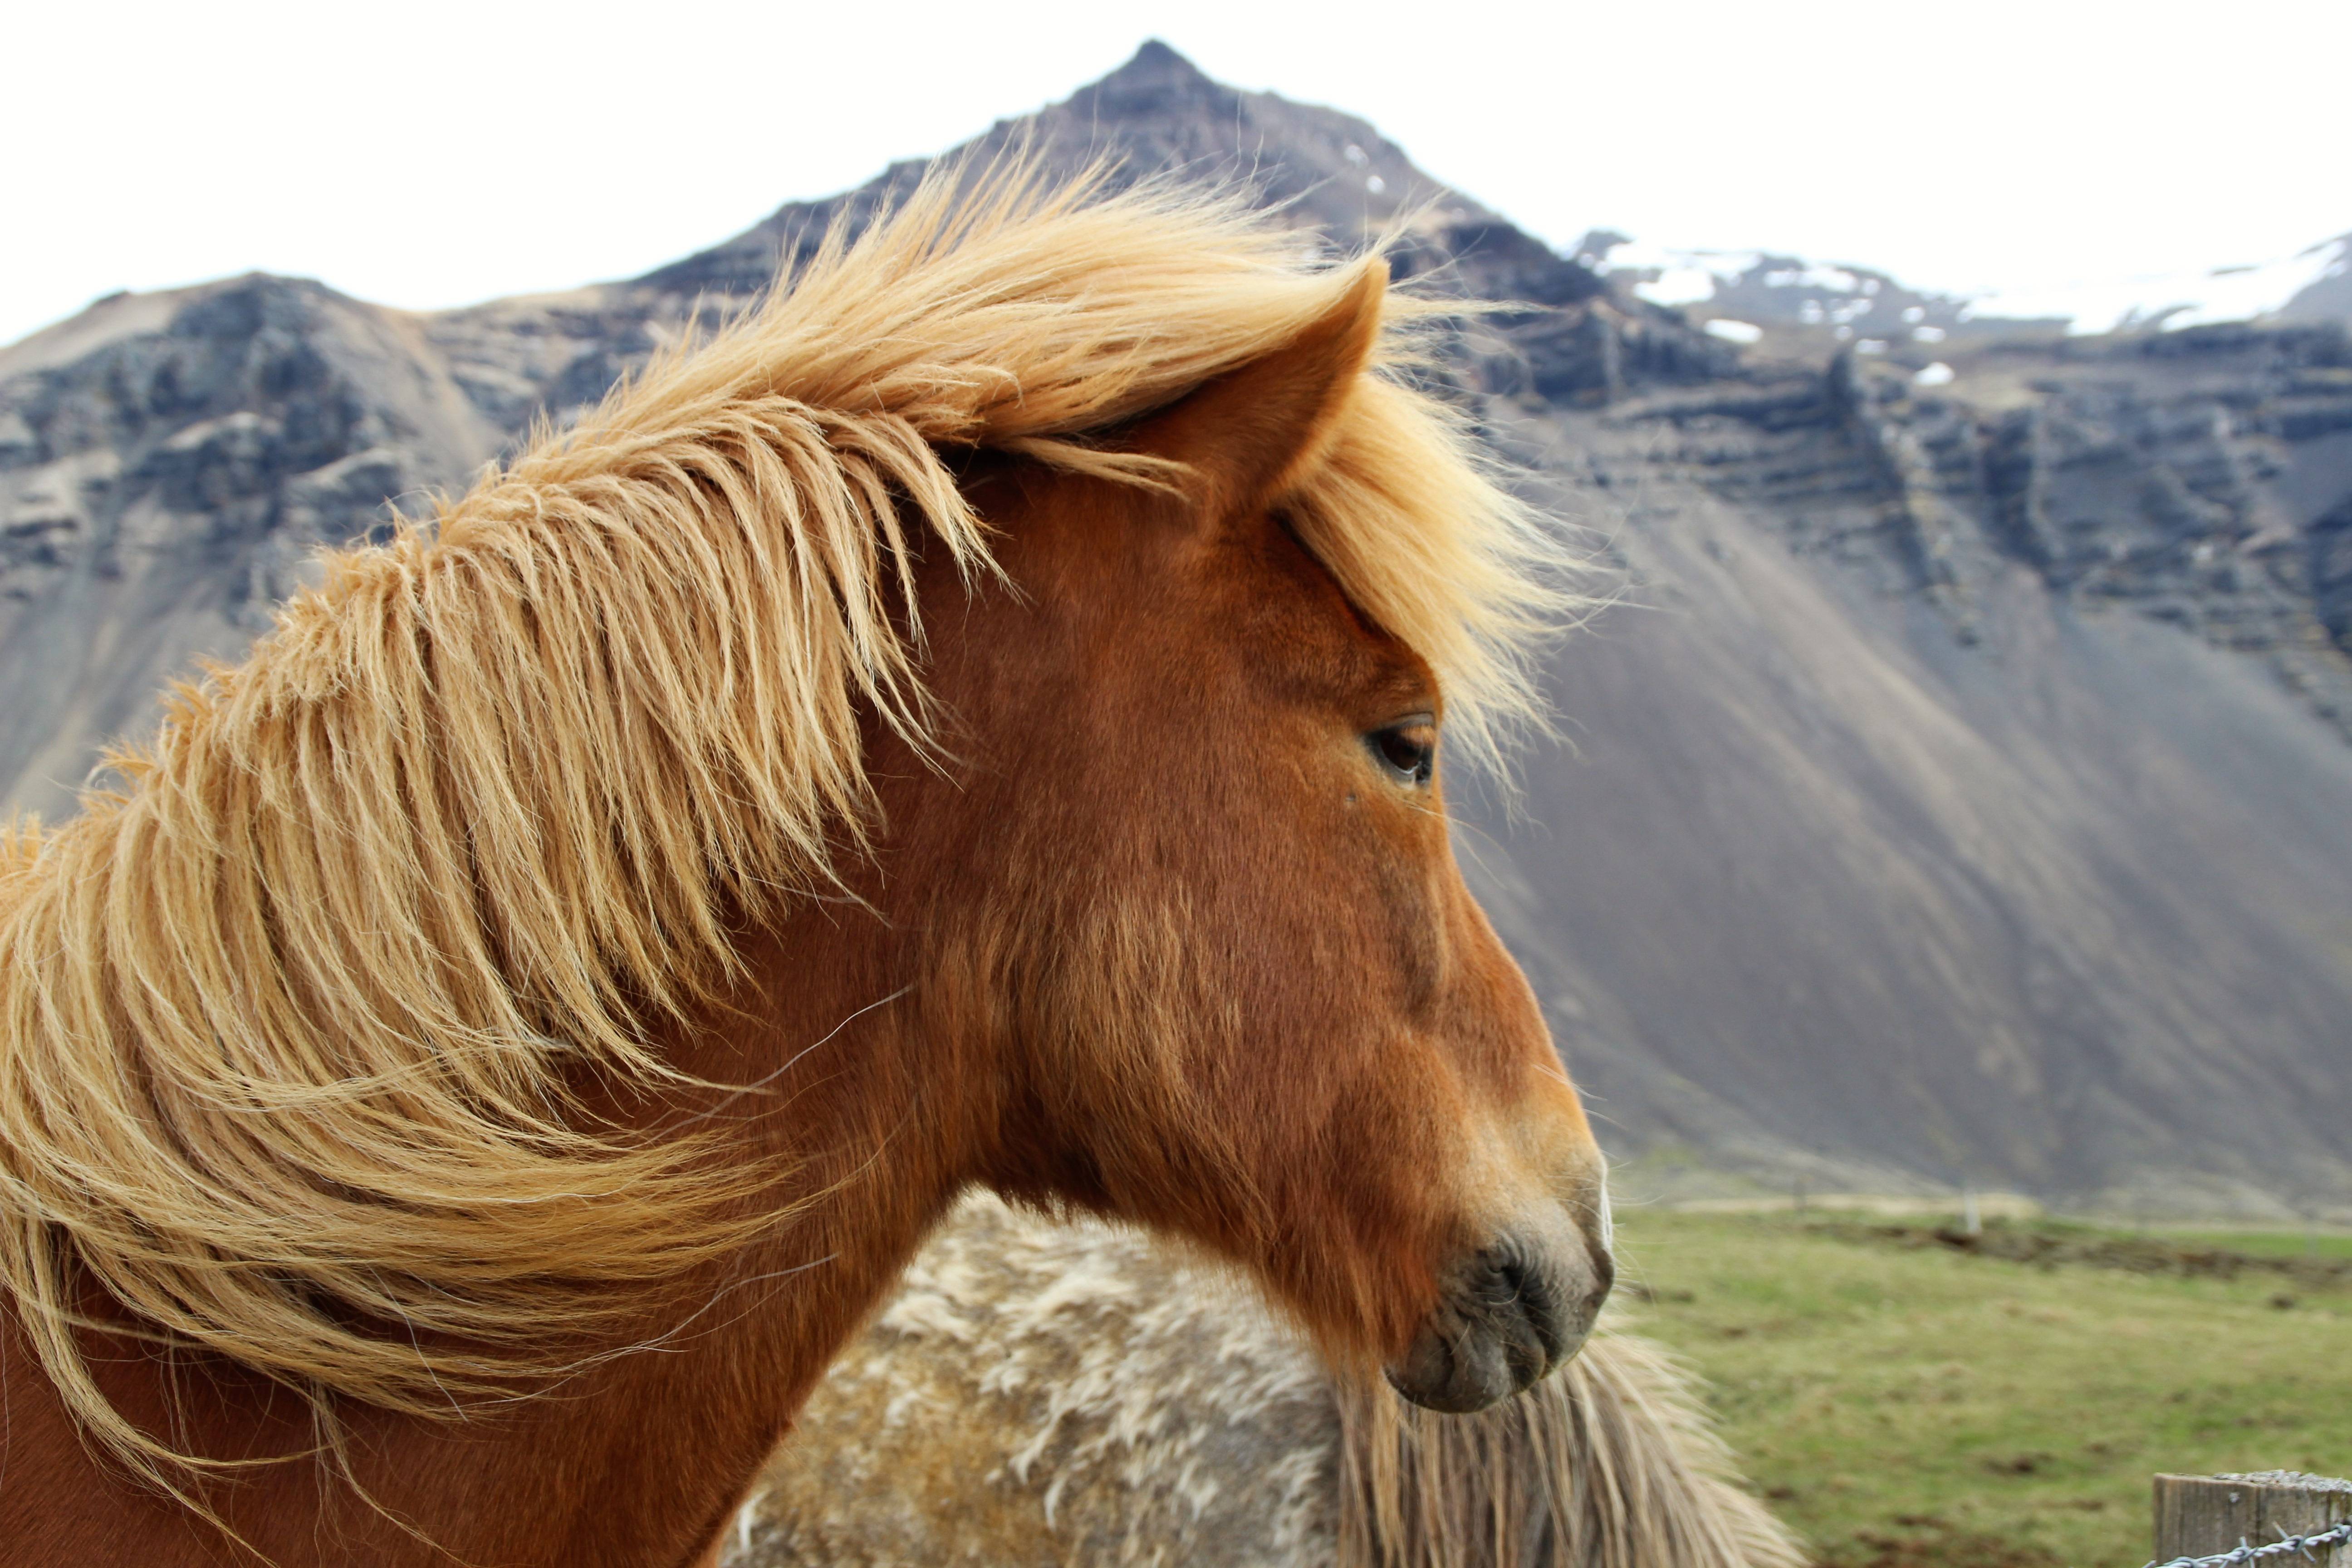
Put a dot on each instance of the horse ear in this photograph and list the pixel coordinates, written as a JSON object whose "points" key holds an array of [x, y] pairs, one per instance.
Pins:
{"points": [[1254, 432]]}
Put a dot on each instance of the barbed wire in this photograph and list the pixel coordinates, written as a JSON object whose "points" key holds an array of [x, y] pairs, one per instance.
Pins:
{"points": [[2334, 1536]]}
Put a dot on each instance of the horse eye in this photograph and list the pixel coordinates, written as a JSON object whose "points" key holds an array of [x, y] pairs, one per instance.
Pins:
{"points": [[1407, 750]]}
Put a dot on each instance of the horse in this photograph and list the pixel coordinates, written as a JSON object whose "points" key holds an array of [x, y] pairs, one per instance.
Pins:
{"points": [[971, 721], [1042, 1395]]}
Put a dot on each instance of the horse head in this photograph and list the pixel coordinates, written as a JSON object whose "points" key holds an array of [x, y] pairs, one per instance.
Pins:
{"points": [[1191, 893]]}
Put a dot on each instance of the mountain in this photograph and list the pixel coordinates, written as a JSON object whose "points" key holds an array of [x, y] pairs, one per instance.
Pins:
{"points": [[1752, 296], [1959, 792], [1157, 112], [2328, 297], [1967, 798], [1798, 307], [167, 463]]}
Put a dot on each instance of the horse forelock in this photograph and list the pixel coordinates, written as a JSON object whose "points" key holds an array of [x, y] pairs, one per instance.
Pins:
{"points": [[294, 1019]]}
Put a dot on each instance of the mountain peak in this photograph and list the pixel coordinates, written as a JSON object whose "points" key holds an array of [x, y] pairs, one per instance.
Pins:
{"points": [[1159, 114], [1156, 80], [1155, 56]]}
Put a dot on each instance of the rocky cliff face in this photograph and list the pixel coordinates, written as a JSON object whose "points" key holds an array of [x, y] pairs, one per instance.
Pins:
{"points": [[1960, 794], [1887, 850], [167, 463], [2197, 478]]}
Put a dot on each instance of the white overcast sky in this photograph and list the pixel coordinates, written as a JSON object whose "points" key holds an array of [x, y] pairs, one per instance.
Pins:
{"points": [[430, 153]]}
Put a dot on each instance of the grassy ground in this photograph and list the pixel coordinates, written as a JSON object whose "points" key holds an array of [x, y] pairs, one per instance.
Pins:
{"points": [[1906, 1405], [2326, 1244]]}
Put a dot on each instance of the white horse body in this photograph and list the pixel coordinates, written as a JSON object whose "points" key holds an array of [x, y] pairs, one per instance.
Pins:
{"points": [[1077, 1394]]}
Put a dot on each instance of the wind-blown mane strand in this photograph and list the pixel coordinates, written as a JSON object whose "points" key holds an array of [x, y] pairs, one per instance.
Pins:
{"points": [[292, 1024]]}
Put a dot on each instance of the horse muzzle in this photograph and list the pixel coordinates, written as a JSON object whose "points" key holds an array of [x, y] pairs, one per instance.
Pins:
{"points": [[1508, 1314]]}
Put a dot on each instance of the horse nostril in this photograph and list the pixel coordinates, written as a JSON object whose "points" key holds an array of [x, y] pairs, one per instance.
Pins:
{"points": [[1511, 1275], [1605, 1275], [1526, 1290]]}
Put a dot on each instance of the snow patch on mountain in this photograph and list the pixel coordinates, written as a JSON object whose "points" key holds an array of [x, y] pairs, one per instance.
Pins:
{"points": [[1855, 301], [2169, 301], [1756, 288]]}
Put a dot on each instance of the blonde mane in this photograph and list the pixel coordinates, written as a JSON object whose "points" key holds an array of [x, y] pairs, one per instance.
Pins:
{"points": [[289, 1017]]}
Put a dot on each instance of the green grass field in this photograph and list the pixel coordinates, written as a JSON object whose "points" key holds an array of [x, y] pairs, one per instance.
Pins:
{"points": [[2263, 1242], [1908, 1405]]}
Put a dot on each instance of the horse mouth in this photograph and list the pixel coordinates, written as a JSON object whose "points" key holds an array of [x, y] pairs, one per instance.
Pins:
{"points": [[1511, 1313]]}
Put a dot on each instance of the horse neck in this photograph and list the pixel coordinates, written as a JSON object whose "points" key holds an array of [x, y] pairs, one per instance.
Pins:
{"points": [[873, 1119], [643, 1460], [640, 1460]]}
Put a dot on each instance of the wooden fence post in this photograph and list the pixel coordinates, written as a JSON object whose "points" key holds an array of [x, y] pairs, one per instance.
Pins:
{"points": [[2199, 1516]]}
